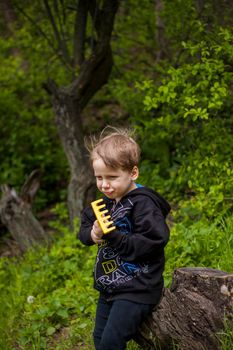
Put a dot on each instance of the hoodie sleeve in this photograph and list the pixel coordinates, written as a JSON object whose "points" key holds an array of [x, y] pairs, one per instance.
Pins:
{"points": [[150, 233], [87, 220]]}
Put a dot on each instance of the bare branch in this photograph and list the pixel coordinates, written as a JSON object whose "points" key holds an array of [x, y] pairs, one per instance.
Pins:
{"points": [[52, 21], [38, 28], [44, 35], [60, 15], [31, 186], [61, 42], [94, 12]]}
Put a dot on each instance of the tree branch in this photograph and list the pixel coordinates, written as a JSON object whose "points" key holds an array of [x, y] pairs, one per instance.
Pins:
{"points": [[80, 32], [63, 11], [38, 28], [96, 70], [61, 18], [61, 43]]}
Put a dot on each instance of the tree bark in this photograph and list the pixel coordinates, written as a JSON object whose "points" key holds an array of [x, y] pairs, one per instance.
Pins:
{"points": [[191, 312], [16, 213], [81, 189]]}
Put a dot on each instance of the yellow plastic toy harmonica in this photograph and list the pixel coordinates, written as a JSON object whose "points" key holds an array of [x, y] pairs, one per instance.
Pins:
{"points": [[106, 225]]}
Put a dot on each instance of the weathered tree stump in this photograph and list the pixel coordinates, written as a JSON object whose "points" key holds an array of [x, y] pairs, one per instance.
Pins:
{"points": [[16, 213], [191, 312]]}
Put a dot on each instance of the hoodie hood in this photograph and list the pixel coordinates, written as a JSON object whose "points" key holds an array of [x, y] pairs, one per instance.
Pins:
{"points": [[155, 196]]}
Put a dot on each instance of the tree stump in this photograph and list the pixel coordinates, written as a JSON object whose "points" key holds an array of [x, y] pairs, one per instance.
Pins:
{"points": [[191, 312], [16, 213]]}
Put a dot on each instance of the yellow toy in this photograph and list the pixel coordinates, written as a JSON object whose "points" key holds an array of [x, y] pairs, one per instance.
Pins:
{"points": [[103, 220]]}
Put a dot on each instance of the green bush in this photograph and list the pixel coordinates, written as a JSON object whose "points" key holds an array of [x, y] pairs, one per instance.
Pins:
{"points": [[184, 151]]}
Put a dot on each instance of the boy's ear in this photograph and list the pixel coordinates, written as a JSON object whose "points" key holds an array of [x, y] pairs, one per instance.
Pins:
{"points": [[134, 173]]}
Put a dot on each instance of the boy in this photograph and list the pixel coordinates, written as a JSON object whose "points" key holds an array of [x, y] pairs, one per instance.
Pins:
{"points": [[130, 259]]}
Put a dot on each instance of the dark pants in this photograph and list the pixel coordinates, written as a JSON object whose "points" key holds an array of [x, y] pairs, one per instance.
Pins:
{"points": [[117, 322]]}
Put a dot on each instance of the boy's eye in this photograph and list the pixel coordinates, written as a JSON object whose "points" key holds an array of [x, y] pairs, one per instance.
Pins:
{"points": [[99, 178]]}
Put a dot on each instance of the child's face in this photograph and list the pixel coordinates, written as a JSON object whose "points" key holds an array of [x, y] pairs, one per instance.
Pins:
{"points": [[114, 183]]}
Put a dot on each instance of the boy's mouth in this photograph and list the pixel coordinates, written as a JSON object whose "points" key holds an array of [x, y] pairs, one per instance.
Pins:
{"points": [[107, 193]]}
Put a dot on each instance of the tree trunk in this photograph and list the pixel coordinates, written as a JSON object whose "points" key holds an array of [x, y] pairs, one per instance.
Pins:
{"points": [[16, 213], [81, 189], [191, 312], [69, 102]]}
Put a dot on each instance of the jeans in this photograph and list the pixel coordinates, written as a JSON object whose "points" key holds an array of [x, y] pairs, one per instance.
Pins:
{"points": [[117, 322]]}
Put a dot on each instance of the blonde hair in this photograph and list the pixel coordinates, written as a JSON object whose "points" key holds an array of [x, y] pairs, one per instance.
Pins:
{"points": [[116, 147]]}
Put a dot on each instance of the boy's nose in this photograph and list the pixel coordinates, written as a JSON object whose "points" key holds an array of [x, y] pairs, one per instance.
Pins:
{"points": [[105, 184]]}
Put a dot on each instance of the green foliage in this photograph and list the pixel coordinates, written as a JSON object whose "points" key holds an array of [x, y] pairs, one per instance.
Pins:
{"points": [[29, 138], [188, 112], [187, 98], [198, 88], [45, 292], [134, 53]]}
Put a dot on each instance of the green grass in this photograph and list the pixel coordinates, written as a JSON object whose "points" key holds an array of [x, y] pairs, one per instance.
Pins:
{"points": [[59, 278], [203, 244], [226, 336]]}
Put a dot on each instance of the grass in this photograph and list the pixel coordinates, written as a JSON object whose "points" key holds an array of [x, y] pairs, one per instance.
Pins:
{"points": [[60, 316], [200, 244], [226, 336]]}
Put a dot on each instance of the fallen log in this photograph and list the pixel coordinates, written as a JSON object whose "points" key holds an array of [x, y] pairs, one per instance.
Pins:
{"points": [[191, 312], [16, 213]]}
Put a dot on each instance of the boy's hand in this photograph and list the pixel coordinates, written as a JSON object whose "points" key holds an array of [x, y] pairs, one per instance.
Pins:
{"points": [[97, 233]]}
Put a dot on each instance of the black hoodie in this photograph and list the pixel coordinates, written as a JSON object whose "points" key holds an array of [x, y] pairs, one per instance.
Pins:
{"points": [[130, 263]]}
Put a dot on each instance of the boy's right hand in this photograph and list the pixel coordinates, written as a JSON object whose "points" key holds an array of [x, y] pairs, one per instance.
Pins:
{"points": [[97, 233]]}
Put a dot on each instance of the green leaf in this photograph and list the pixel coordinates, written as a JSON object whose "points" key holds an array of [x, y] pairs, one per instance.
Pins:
{"points": [[62, 313], [51, 330]]}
